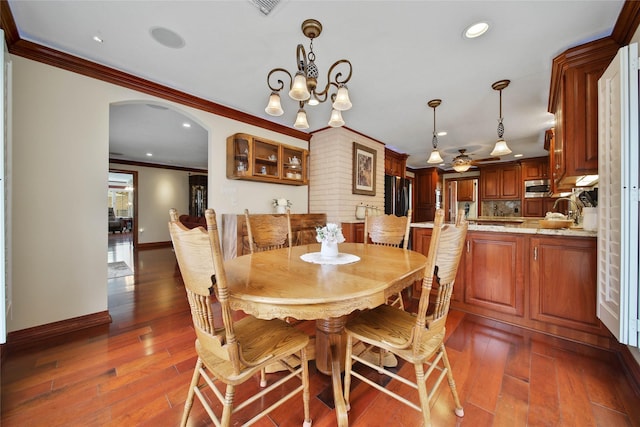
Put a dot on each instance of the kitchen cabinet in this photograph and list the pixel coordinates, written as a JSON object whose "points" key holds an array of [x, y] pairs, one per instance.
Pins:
{"points": [[257, 159], [573, 99], [563, 277], [426, 181], [494, 276], [466, 190], [537, 168], [500, 182], [353, 232], [537, 207], [395, 163]]}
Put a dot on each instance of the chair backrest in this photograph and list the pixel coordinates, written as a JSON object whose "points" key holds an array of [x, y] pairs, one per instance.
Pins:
{"points": [[387, 230], [111, 213], [201, 265], [266, 232], [445, 250]]}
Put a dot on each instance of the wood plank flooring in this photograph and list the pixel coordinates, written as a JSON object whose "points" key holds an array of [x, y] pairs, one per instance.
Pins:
{"points": [[136, 371]]}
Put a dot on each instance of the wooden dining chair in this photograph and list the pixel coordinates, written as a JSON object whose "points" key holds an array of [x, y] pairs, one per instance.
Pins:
{"points": [[266, 232], [236, 351], [388, 230], [418, 339]]}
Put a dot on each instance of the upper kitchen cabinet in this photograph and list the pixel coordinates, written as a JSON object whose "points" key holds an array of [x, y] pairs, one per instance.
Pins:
{"points": [[258, 159], [500, 182], [466, 191], [537, 168], [395, 163], [573, 99]]}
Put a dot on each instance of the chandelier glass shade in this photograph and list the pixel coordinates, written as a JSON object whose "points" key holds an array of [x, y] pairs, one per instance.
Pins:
{"points": [[435, 156], [501, 148], [462, 162], [303, 86]]}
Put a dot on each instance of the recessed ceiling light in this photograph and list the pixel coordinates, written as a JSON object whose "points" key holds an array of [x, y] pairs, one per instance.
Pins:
{"points": [[149, 154], [97, 39], [166, 37], [186, 125], [442, 133], [476, 30], [518, 155]]}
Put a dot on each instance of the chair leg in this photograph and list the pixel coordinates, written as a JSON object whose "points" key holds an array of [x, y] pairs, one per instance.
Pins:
{"points": [[189, 402], [227, 409], [347, 371], [263, 377], [424, 395], [305, 387], [452, 384]]}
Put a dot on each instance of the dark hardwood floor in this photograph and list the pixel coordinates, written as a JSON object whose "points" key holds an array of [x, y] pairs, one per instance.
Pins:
{"points": [[136, 370]]}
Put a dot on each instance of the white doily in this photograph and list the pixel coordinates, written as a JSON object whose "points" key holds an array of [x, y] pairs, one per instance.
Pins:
{"points": [[317, 258]]}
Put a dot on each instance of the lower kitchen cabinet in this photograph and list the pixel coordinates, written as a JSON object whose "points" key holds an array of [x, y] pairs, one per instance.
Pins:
{"points": [[494, 272], [563, 277], [353, 232]]}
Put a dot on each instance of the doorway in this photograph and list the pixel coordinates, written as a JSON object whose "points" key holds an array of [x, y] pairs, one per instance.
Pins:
{"points": [[122, 198]]}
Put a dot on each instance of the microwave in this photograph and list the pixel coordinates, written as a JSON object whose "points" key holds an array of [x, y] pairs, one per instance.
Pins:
{"points": [[537, 188]]}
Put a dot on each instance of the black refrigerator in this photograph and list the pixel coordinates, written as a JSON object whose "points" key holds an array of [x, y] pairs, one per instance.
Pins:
{"points": [[397, 195]]}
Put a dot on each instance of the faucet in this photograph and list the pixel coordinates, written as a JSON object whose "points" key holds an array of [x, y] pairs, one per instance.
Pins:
{"points": [[574, 215]]}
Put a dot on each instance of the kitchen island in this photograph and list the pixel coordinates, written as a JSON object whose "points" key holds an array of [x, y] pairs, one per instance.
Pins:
{"points": [[517, 273]]}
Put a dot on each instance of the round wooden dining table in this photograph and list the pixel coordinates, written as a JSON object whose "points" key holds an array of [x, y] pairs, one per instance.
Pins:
{"points": [[280, 284]]}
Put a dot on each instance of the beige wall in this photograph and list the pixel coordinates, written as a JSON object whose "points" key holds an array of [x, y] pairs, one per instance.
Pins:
{"points": [[331, 172], [59, 143]]}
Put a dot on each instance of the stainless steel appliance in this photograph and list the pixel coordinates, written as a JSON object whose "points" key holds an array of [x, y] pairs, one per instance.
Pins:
{"points": [[537, 188], [397, 195]]}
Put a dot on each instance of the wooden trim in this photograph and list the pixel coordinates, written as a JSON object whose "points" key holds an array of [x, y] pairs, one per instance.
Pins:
{"points": [[26, 337], [156, 166], [55, 58], [351, 130], [627, 23], [154, 245], [630, 365]]}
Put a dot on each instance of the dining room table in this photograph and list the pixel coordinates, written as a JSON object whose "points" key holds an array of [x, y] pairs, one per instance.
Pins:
{"points": [[298, 282]]}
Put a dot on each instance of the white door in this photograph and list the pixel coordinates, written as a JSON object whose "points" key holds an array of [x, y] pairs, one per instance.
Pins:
{"points": [[618, 196]]}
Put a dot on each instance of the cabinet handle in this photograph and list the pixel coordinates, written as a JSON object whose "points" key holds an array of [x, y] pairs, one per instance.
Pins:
{"points": [[535, 253], [468, 247]]}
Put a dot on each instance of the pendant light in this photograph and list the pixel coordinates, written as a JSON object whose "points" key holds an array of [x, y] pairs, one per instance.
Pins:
{"points": [[435, 154], [501, 148]]}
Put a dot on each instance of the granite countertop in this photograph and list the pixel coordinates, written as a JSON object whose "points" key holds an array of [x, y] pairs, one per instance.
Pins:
{"points": [[518, 225]]}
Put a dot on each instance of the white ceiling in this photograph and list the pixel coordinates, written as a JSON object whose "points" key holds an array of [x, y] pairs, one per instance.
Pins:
{"points": [[404, 53]]}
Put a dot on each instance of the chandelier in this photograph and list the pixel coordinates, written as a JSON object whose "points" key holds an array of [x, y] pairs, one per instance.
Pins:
{"points": [[500, 149], [303, 86], [435, 154]]}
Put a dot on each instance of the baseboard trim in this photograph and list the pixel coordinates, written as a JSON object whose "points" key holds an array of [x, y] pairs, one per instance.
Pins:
{"points": [[630, 365], [32, 336]]}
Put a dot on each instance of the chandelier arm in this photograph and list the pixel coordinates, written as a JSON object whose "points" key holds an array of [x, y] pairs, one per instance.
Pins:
{"points": [[280, 82], [302, 62], [337, 80]]}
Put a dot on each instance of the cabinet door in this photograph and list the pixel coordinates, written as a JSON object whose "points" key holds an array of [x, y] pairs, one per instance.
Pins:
{"points": [[533, 207], [465, 190], [490, 184], [510, 184], [563, 282], [535, 169], [494, 272], [425, 181], [265, 159]]}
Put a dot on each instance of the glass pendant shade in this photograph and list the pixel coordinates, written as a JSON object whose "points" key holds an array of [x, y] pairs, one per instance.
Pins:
{"points": [[299, 90], [500, 148], [273, 107], [461, 167], [435, 157], [342, 102], [336, 119], [301, 120]]}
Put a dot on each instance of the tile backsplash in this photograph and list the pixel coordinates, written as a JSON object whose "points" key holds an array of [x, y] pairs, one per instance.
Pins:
{"points": [[501, 208]]}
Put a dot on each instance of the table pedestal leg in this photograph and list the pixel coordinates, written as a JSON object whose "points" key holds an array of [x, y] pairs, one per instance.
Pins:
{"points": [[328, 332]]}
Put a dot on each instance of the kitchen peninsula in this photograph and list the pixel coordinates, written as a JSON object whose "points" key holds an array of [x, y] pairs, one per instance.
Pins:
{"points": [[517, 273]]}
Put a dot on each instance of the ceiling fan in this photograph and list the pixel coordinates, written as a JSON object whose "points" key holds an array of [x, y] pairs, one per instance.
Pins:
{"points": [[462, 162]]}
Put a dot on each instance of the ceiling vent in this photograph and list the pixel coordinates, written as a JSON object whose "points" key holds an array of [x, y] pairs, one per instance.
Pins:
{"points": [[265, 6]]}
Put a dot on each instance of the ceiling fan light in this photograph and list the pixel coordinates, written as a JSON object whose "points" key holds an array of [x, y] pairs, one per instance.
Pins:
{"points": [[501, 148], [299, 90], [342, 101], [461, 167], [301, 120], [274, 108], [336, 119], [435, 157]]}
